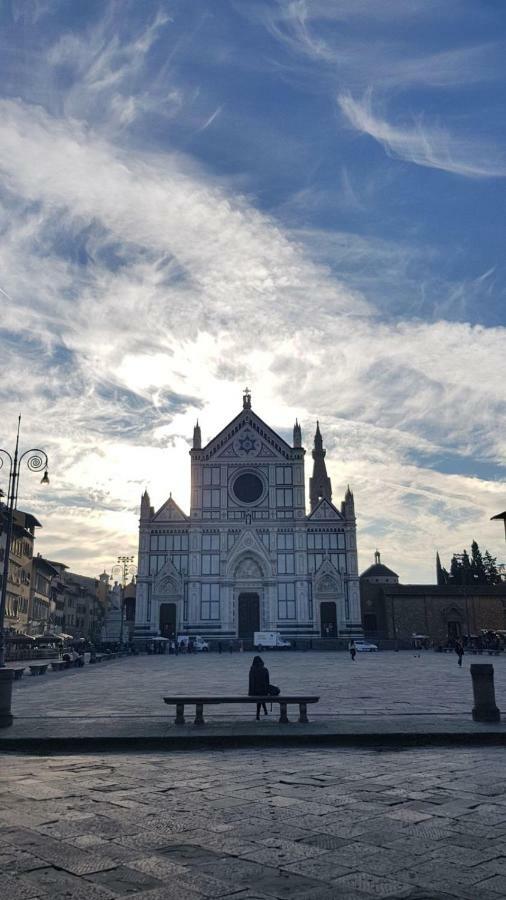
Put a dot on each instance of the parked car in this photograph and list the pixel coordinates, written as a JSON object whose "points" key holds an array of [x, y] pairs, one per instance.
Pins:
{"points": [[365, 647], [269, 640], [199, 644]]}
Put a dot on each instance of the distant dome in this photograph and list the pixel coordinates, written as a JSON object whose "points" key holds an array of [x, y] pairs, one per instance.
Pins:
{"points": [[378, 570]]}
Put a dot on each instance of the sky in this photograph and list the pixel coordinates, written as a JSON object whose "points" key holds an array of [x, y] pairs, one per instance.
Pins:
{"points": [[303, 196]]}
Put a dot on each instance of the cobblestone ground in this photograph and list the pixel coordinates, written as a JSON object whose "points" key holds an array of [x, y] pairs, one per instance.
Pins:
{"points": [[379, 683], [318, 823]]}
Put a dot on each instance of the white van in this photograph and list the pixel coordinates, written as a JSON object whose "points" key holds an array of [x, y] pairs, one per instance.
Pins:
{"points": [[269, 640]]}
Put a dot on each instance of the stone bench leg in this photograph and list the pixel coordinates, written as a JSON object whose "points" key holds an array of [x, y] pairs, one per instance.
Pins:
{"points": [[199, 714], [303, 712], [179, 713], [282, 713]]}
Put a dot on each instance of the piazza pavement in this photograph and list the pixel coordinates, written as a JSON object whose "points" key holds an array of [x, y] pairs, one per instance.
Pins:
{"points": [[256, 823], [376, 684], [252, 824]]}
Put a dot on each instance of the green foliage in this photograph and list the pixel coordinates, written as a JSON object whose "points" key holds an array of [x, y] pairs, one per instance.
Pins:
{"points": [[473, 568]]}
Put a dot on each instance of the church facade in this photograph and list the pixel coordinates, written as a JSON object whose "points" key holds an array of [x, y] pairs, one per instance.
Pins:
{"points": [[249, 557]]}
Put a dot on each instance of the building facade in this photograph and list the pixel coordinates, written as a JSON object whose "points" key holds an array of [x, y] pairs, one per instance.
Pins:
{"points": [[17, 608], [42, 596], [395, 613], [248, 557]]}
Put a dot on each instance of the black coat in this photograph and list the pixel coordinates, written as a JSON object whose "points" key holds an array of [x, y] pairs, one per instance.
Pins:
{"points": [[258, 681]]}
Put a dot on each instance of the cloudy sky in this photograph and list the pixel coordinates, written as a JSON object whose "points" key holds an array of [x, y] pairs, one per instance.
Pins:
{"points": [[306, 196]]}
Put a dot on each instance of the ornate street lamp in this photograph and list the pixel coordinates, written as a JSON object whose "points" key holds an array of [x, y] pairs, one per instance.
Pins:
{"points": [[36, 460], [126, 567]]}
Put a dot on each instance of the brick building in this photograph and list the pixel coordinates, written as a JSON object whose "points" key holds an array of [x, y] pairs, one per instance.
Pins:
{"points": [[394, 612]]}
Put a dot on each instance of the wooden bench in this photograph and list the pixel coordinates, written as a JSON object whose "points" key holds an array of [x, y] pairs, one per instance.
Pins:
{"points": [[58, 665], [201, 701], [36, 669]]}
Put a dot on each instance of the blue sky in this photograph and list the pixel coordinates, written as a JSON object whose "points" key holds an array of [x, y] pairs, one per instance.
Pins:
{"points": [[307, 196]]}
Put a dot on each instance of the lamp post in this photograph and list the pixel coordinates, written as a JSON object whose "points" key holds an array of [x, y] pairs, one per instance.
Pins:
{"points": [[126, 567], [503, 517], [36, 460]]}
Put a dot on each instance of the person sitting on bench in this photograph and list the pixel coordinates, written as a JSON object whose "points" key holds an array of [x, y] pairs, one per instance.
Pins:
{"points": [[258, 682]]}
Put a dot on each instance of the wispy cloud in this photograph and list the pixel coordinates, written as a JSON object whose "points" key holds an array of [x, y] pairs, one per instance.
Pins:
{"points": [[172, 274], [423, 144], [314, 32], [210, 120], [141, 289]]}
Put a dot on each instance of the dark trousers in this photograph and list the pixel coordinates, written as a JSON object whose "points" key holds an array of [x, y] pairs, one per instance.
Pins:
{"points": [[258, 709]]}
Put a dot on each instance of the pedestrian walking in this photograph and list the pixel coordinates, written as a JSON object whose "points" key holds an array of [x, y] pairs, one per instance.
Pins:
{"points": [[353, 650], [259, 682], [459, 650]]}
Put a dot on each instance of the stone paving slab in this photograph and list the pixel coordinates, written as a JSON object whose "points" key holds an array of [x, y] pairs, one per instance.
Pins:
{"points": [[208, 850], [57, 735], [387, 682]]}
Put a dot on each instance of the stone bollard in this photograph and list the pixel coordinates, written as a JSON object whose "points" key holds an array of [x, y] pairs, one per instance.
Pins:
{"points": [[6, 679], [485, 709]]}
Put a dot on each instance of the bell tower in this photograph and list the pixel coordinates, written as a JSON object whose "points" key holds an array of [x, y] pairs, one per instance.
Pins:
{"points": [[320, 487]]}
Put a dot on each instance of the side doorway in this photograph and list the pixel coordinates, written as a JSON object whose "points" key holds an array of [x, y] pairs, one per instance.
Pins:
{"points": [[328, 619], [168, 619]]}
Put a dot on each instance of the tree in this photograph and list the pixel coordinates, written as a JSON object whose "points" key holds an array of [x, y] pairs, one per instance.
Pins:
{"points": [[489, 564], [442, 574], [456, 570], [476, 568]]}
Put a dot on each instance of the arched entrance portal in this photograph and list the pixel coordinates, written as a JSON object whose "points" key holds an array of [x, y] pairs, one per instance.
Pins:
{"points": [[328, 618], [248, 616], [168, 619]]}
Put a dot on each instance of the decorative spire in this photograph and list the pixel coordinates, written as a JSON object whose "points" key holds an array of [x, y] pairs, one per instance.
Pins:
{"points": [[349, 504], [377, 558], [145, 506], [297, 435], [246, 398], [320, 487], [197, 437]]}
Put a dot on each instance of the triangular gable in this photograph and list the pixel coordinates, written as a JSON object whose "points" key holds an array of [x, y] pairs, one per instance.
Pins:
{"points": [[247, 437], [246, 445], [328, 578], [326, 510], [248, 543], [170, 512], [168, 579]]}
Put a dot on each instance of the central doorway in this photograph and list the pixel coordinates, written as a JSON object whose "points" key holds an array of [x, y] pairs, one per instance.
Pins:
{"points": [[328, 618], [168, 619], [248, 616]]}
